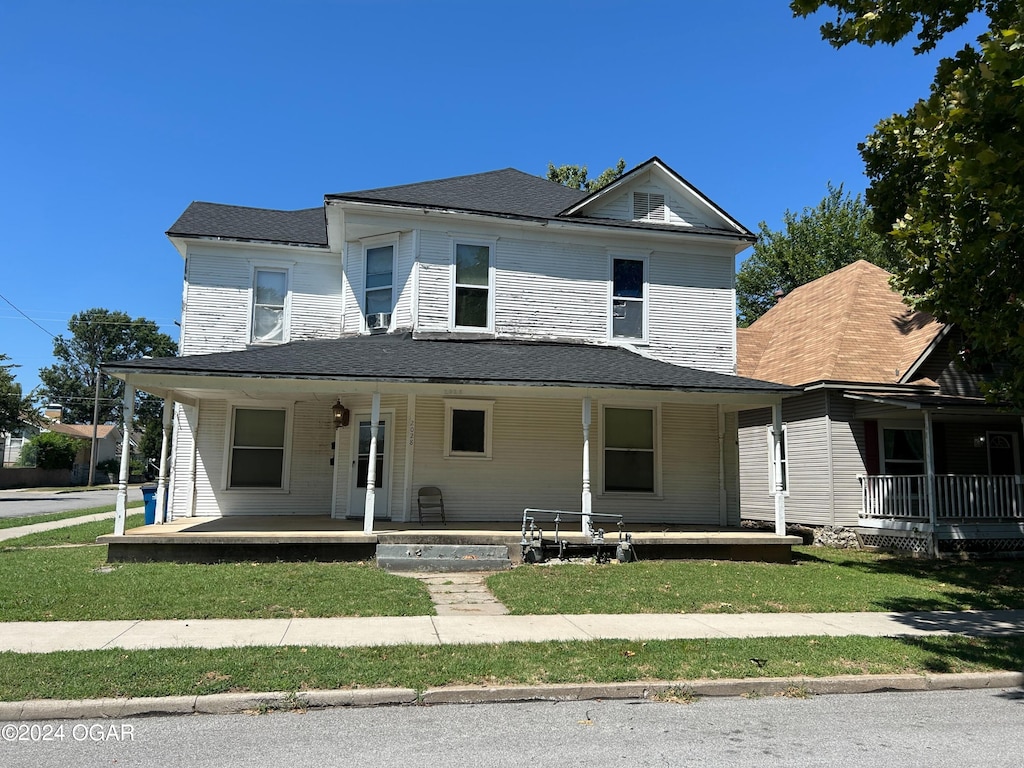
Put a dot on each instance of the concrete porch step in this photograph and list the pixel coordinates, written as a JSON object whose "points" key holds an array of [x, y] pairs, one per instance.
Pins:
{"points": [[443, 557]]}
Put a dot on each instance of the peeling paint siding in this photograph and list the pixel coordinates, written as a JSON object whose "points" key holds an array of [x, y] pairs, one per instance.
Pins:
{"points": [[435, 258], [692, 310], [545, 289], [218, 304], [219, 294], [732, 469]]}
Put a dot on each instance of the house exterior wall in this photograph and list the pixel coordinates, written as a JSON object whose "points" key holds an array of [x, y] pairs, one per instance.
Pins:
{"points": [[217, 301], [536, 462]]}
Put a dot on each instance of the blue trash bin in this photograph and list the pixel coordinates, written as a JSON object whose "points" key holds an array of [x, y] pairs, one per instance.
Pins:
{"points": [[149, 503]]}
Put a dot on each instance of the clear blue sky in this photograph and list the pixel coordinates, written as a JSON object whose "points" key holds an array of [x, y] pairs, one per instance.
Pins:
{"points": [[118, 113]]}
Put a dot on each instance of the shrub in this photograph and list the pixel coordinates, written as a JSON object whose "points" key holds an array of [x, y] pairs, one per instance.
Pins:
{"points": [[51, 450]]}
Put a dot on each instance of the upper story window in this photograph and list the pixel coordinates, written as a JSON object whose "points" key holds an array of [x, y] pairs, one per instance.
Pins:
{"points": [[649, 206], [269, 306], [472, 299], [380, 270], [629, 298]]}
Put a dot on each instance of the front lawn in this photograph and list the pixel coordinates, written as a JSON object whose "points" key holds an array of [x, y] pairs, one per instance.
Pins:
{"points": [[17, 522], [819, 580], [77, 584]]}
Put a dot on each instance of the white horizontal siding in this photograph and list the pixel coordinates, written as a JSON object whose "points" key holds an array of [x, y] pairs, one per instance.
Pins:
{"points": [[219, 291], [692, 310], [435, 259], [545, 289]]}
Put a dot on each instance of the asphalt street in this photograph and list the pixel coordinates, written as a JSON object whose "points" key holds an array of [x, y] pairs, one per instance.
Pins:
{"points": [[23, 503], [937, 729]]}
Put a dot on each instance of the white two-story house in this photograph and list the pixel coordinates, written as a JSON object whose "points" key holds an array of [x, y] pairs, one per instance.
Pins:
{"points": [[510, 341]]}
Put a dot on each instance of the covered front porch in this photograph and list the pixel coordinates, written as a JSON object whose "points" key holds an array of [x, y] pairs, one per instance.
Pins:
{"points": [[946, 476], [308, 537]]}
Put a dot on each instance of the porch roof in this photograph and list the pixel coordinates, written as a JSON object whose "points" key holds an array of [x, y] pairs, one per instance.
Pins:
{"points": [[402, 357], [930, 401]]}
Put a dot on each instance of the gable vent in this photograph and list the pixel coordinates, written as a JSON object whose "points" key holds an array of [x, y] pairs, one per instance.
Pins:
{"points": [[648, 206]]}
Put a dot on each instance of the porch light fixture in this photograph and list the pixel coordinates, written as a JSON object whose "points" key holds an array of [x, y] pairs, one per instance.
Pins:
{"points": [[341, 414], [979, 442]]}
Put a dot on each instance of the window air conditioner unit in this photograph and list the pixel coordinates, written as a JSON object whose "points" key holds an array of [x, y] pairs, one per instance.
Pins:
{"points": [[378, 321]]}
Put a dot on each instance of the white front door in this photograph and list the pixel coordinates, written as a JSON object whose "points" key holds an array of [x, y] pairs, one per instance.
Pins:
{"points": [[361, 465]]}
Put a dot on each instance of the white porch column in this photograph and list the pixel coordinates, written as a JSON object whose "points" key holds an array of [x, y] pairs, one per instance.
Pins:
{"points": [[780, 494], [121, 503], [410, 452], [161, 483], [587, 500], [929, 471], [371, 470]]}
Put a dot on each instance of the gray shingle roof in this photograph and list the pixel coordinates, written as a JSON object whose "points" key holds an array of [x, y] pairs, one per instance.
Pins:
{"points": [[302, 227], [400, 357], [507, 193]]}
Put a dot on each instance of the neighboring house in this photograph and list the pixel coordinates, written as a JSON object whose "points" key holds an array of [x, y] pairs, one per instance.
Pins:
{"points": [[15, 440], [108, 446], [514, 342], [890, 436]]}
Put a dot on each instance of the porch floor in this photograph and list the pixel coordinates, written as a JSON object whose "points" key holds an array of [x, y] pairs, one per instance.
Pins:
{"points": [[315, 537]]}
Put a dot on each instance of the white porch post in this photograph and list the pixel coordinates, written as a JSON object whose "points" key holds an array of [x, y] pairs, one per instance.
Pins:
{"points": [[929, 470], [587, 501], [161, 483], [371, 470], [780, 495], [121, 503]]}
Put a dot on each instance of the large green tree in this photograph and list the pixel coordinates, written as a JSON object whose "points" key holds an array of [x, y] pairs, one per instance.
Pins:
{"points": [[819, 240], [98, 336], [13, 407], [575, 176], [947, 176]]}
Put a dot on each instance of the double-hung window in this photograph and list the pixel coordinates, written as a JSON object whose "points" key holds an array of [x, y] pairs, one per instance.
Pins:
{"points": [[630, 463], [380, 269], [903, 451], [468, 428], [472, 285], [783, 460], [629, 298], [269, 306], [258, 448]]}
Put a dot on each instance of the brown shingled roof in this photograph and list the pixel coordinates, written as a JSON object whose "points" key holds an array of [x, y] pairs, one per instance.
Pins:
{"points": [[81, 430], [847, 326]]}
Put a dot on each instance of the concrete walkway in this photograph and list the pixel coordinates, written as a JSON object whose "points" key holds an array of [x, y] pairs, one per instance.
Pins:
{"points": [[25, 530], [49, 636]]}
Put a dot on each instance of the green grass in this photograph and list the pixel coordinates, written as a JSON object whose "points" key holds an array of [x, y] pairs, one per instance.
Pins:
{"points": [[819, 580], [83, 533], [76, 584], [17, 522], [191, 671]]}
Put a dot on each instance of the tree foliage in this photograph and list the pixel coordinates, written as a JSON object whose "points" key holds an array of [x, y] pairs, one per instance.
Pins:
{"points": [[13, 407], [98, 336], [947, 176], [811, 244], [51, 450], [575, 176]]}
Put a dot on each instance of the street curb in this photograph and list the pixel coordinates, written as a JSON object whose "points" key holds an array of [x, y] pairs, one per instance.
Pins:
{"points": [[259, 703]]}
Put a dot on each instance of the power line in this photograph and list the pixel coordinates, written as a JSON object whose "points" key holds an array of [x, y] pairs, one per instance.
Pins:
{"points": [[37, 325]]}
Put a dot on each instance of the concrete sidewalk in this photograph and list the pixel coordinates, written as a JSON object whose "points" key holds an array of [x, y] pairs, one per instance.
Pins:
{"points": [[24, 530], [50, 636]]}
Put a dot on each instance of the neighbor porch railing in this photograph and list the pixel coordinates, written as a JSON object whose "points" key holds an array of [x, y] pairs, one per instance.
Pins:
{"points": [[957, 497]]}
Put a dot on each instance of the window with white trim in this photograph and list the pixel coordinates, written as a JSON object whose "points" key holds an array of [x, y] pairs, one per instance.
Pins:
{"points": [[630, 459], [783, 460], [380, 270], [258, 448], [467, 428], [472, 285], [269, 306], [628, 298]]}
